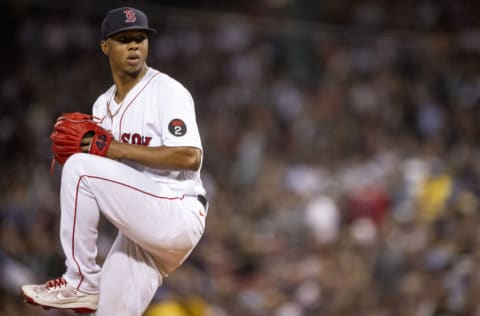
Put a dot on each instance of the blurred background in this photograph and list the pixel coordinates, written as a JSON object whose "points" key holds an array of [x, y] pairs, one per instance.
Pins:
{"points": [[341, 155]]}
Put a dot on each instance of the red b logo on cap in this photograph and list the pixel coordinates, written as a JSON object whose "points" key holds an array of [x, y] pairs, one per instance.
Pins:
{"points": [[130, 15]]}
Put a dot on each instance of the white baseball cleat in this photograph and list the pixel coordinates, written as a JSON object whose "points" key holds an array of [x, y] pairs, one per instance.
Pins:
{"points": [[59, 294]]}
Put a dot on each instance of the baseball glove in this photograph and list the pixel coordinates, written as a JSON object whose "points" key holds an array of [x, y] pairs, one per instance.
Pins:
{"points": [[69, 131]]}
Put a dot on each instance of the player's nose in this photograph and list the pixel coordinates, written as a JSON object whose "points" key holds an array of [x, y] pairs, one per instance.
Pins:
{"points": [[132, 45]]}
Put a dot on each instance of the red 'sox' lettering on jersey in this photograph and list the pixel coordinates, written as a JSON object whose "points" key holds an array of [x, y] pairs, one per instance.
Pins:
{"points": [[136, 139]]}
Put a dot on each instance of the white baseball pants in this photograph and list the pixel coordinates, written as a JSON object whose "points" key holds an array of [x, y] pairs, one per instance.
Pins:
{"points": [[157, 232]]}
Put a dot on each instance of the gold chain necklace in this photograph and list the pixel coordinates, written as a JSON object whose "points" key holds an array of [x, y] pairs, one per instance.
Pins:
{"points": [[108, 106]]}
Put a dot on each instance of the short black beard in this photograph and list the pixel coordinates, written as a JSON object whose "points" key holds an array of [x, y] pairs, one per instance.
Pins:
{"points": [[135, 74]]}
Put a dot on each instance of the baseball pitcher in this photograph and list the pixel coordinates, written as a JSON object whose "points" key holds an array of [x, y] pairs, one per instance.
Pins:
{"points": [[137, 161]]}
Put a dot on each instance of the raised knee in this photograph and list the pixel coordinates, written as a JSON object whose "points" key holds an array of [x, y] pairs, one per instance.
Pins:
{"points": [[76, 163], [74, 160]]}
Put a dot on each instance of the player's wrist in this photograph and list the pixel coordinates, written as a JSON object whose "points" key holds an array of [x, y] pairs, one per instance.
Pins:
{"points": [[116, 150]]}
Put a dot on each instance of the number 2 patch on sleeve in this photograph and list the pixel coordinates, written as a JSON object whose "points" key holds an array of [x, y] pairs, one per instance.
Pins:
{"points": [[177, 127]]}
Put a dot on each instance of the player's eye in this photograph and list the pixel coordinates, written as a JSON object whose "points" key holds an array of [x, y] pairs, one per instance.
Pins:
{"points": [[140, 38], [127, 39], [123, 39]]}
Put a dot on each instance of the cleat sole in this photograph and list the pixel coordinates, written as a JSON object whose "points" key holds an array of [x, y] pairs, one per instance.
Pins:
{"points": [[27, 299], [77, 310]]}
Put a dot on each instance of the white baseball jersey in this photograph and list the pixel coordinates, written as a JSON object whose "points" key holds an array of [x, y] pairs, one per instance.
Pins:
{"points": [[157, 212], [158, 111]]}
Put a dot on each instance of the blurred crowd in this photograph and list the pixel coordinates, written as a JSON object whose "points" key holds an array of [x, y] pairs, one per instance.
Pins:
{"points": [[341, 156]]}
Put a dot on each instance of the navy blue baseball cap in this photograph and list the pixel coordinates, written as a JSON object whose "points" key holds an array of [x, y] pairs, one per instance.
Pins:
{"points": [[124, 19]]}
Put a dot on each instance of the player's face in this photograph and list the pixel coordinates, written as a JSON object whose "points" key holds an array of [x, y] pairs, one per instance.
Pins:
{"points": [[127, 51]]}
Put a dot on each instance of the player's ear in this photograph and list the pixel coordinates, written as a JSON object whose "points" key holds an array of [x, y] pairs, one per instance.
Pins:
{"points": [[104, 47]]}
